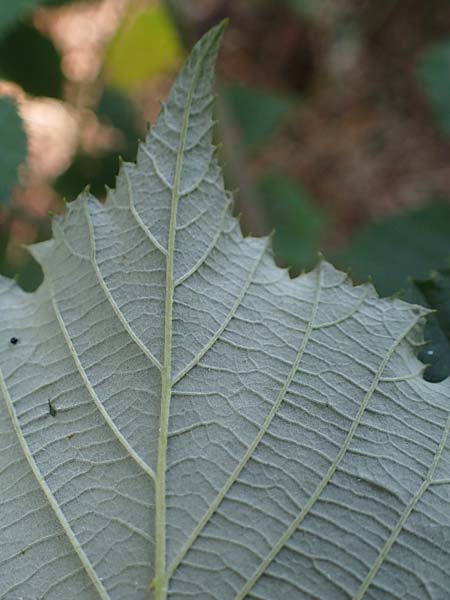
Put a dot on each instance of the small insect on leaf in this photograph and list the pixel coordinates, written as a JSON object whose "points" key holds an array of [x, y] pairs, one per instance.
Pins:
{"points": [[14, 341], [51, 409]]}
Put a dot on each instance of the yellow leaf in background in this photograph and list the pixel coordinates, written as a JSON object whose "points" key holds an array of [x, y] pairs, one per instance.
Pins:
{"points": [[146, 46]]}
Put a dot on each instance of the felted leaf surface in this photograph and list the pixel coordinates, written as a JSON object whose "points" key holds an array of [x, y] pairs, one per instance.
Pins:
{"points": [[180, 419]]}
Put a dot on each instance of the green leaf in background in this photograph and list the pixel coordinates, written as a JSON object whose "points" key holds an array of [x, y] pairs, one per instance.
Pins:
{"points": [[28, 274], [30, 59], [13, 11], [116, 109], [97, 172], [433, 72], [434, 293], [297, 222], [392, 250], [181, 419], [146, 46], [307, 8], [13, 143], [258, 113], [399, 253]]}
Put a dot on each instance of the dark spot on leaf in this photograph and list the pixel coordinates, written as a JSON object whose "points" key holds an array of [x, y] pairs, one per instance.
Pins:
{"points": [[51, 409], [14, 341]]}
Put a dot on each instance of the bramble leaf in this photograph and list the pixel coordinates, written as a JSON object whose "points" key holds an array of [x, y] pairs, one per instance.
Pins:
{"points": [[219, 430]]}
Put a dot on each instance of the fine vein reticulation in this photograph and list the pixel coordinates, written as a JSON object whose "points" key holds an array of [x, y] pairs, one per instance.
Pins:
{"points": [[220, 430]]}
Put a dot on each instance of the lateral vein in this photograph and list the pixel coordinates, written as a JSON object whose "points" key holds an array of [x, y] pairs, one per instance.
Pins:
{"points": [[142, 463], [251, 449], [49, 495], [227, 320], [332, 469], [138, 219], [404, 517], [109, 297]]}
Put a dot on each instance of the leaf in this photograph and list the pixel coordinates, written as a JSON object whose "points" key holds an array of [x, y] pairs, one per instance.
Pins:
{"points": [[12, 12], [220, 430], [297, 222], [14, 147], [396, 248], [257, 112], [399, 253], [97, 171], [147, 45], [118, 110], [308, 8], [434, 293], [30, 59], [433, 72]]}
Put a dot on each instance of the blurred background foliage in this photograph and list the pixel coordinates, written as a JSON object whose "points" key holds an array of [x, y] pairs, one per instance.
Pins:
{"points": [[334, 117]]}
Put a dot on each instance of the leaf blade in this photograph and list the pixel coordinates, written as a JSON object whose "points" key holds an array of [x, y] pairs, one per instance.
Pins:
{"points": [[299, 442]]}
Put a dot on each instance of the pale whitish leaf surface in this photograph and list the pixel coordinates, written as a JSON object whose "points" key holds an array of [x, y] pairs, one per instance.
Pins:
{"points": [[220, 429]]}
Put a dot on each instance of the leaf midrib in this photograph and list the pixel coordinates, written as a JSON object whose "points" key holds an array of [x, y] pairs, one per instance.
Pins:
{"points": [[159, 583]]}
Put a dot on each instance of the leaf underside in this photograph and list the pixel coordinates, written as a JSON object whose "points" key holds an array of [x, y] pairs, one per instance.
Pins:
{"points": [[218, 430]]}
